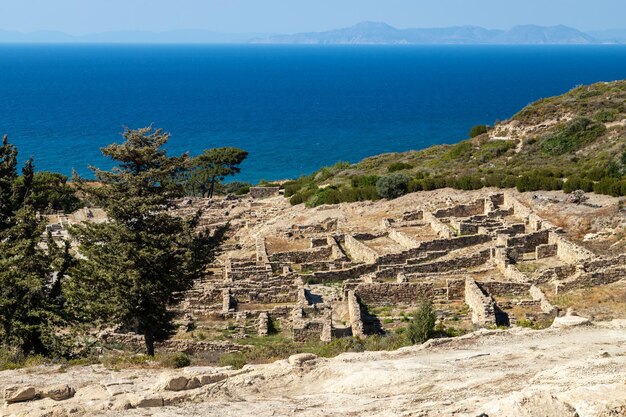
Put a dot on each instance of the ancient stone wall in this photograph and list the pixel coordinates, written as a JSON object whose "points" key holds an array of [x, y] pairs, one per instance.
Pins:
{"points": [[388, 293], [455, 289], [264, 192], [525, 243], [359, 252], [462, 210], [546, 251], [309, 255], [442, 229], [354, 311], [569, 251], [403, 239], [482, 306], [501, 289]]}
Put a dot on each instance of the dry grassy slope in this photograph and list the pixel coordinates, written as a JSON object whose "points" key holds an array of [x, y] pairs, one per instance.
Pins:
{"points": [[518, 144]]}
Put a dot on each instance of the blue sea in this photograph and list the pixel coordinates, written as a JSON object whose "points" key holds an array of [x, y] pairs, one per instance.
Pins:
{"points": [[294, 108]]}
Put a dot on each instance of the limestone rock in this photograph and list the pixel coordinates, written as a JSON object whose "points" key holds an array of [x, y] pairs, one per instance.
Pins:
{"points": [[19, 394], [300, 358], [145, 401], [569, 321], [116, 387], [212, 378], [58, 392], [173, 383]]}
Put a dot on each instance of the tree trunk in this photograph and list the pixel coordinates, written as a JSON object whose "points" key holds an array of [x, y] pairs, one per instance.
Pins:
{"points": [[212, 188], [149, 340]]}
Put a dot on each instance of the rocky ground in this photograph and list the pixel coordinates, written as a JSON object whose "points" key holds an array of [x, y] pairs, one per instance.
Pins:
{"points": [[560, 372]]}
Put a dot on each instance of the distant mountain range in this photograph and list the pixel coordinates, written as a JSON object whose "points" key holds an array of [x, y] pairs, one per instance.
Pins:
{"points": [[368, 33], [382, 33]]}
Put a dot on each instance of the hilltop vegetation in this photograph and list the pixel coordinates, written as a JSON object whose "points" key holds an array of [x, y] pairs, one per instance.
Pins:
{"points": [[570, 142]]}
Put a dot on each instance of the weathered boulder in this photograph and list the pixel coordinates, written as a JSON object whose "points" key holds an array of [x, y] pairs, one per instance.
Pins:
{"points": [[58, 392], [212, 378], [146, 401], [173, 383], [20, 394], [569, 321], [301, 358]]}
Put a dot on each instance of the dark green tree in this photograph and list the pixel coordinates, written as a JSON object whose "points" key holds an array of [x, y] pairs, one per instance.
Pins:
{"points": [[213, 166], [139, 262], [392, 186], [28, 315], [422, 324], [50, 192]]}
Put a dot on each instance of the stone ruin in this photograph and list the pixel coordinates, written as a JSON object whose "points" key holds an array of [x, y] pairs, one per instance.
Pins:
{"points": [[483, 263]]}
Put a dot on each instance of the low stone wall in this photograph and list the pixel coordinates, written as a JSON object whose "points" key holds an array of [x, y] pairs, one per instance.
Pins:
{"points": [[453, 243], [136, 343], [451, 264], [316, 254], [403, 239], [261, 251], [358, 251], [538, 295], [442, 229], [462, 210], [501, 289], [482, 306], [525, 243], [569, 251], [388, 293], [455, 289], [546, 251], [354, 311], [264, 192], [603, 276], [354, 272]]}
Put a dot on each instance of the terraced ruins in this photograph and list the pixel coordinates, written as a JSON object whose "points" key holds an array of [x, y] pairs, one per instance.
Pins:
{"points": [[487, 259], [484, 258]]}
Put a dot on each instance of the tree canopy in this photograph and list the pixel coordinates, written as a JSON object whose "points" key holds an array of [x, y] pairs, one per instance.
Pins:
{"points": [[139, 262], [213, 166], [29, 311]]}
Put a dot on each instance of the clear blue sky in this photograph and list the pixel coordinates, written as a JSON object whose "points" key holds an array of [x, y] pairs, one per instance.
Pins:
{"points": [[286, 16]]}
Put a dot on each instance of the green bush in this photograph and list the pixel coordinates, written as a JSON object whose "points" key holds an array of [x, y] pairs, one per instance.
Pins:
{"points": [[175, 360], [364, 181], [461, 150], [576, 183], [237, 188], [478, 130], [574, 135], [606, 115], [399, 166], [392, 186], [422, 325]]}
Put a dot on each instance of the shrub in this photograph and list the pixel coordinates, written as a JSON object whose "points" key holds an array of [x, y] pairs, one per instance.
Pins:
{"points": [[576, 183], [422, 324], [364, 180], [574, 135], [398, 166], [461, 150], [606, 115], [468, 182], [478, 130], [392, 186], [237, 188], [175, 360]]}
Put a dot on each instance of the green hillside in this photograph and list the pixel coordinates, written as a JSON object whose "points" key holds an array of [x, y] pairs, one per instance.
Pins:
{"points": [[573, 141]]}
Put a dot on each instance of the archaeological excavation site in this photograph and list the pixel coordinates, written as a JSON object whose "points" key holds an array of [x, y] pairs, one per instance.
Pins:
{"points": [[527, 289]]}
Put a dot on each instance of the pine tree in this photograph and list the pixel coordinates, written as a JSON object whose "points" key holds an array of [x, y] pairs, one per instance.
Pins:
{"points": [[27, 316], [213, 165], [139, 262]]}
